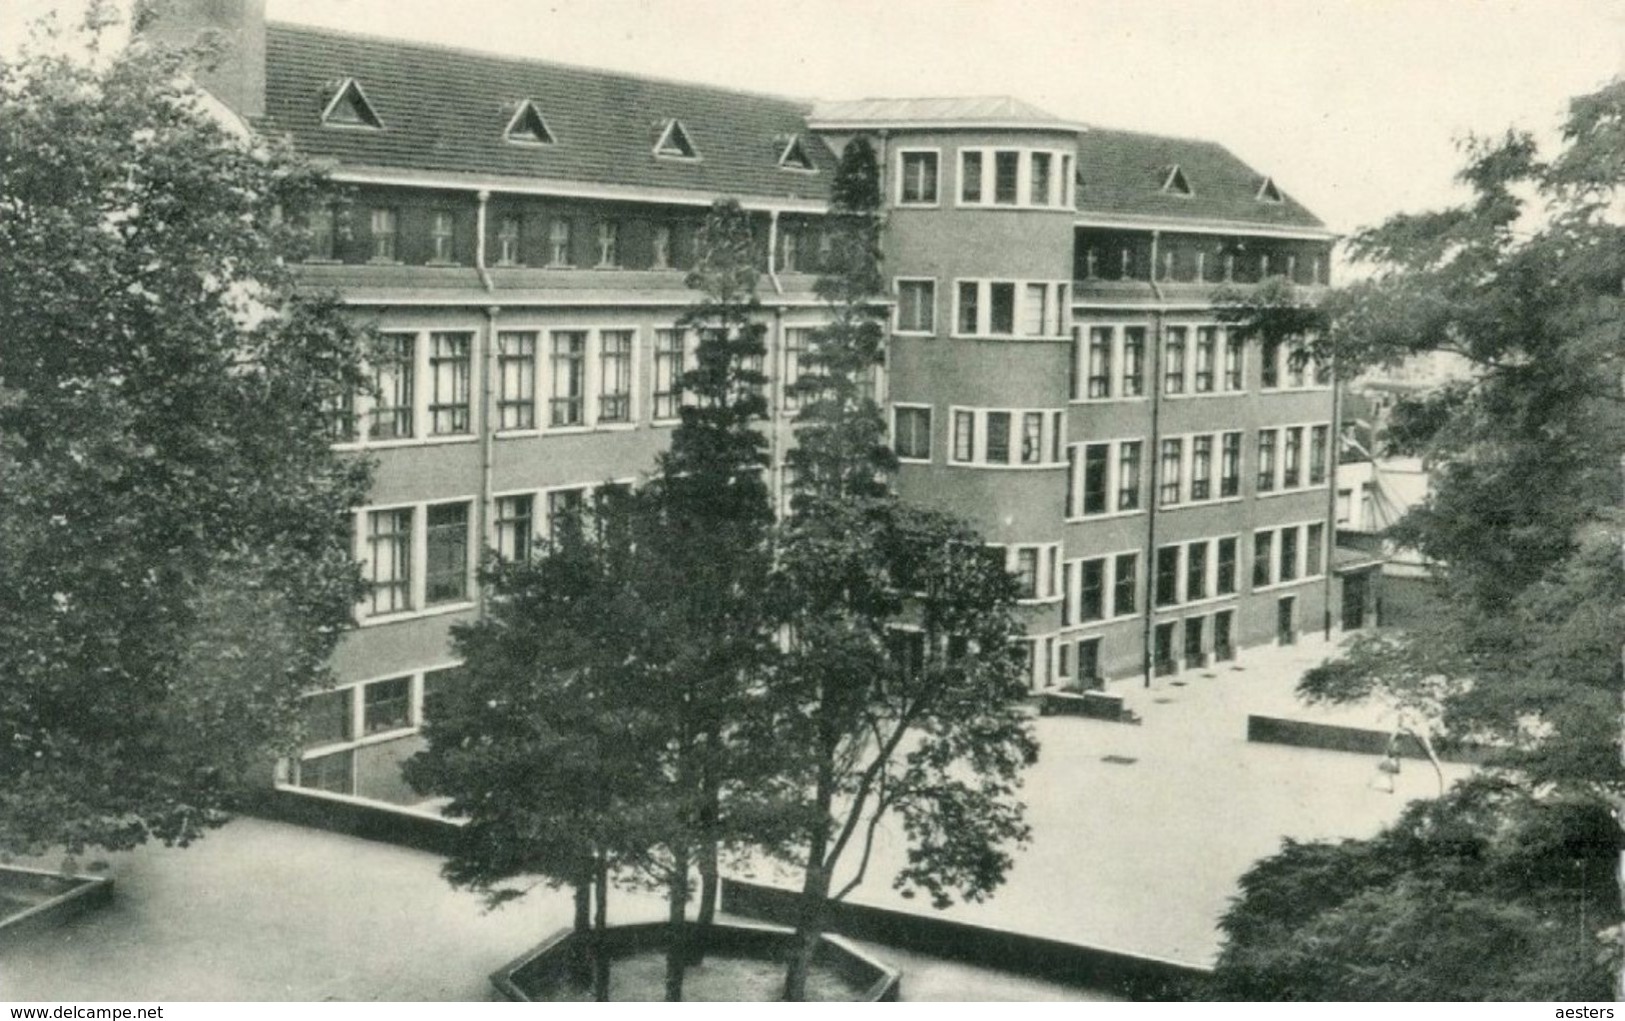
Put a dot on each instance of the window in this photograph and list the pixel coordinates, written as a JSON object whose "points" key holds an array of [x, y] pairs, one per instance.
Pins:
{"points": [[385, 229], [794, 156], [1323, 372], [1168, 471], [1069, 571], [1095, 465], [1297, 359], [964, 436], [1032, 437], [1100, 361], [442, 236], [527, 126], [342, 426], [917, 306], [1313, 549], [1232, 363], [789, 249], [615, 376], [386, 705], [1039, 195], [1092, 590], [1128, 475], [1266, 460], [437, 684], [1317, 454], [1173, 368], [1263, 555], [1125, 582], [516, 380], [325, 718], [911, 428], [970, 320], [389, 561], [1201, 467], [1230, 465], [998, 437], [668, 389], [333, 773], [393, 391], [1292, 458], [449, 383], [1033, 308], [1225, 572], [1133, 361], [970, 177], [1223, 625], [1206, 341], [565, 508], [558, 242], [797, 342], [568, 373], [1193, 640], [1001, 308], [445, 572], [508, 242], [1006, 177], [609, 244], [1167, 576], [1026, 572], [350, 108], [1269, 370], [1196, 571], [660, 247], [675, 144], [515, 527], [919, 179], [1289, 554], [320, 225]]}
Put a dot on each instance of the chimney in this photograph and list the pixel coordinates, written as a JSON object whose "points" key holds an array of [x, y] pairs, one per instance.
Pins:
{"points": [[236, 76]]}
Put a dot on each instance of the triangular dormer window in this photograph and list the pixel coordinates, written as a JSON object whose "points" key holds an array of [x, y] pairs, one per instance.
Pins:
{"points": [[350, 108], [674, 142], [1175, 183], [527, 127], [793, 156], [1268, 192]]}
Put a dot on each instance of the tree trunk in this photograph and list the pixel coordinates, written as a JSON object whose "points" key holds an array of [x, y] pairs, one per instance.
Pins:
{"points": [[600, 922], [583, 895], [706, 916], [581, 949], [814, 892], [676, 941]]}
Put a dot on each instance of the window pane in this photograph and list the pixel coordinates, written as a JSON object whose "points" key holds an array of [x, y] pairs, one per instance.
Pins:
{"points": [[326, 718], [1006, 173], [615, 376], [970, 320], [515, 527], [332, 773], [1225, 581], [1196, 571], [446, 569], [1092, 590], [1289, 554], [558, 243], [386, 705], [1201, 467], [970, 177], [1128, 475], [1032, 437], [516, 380], [1263, 557], [389, 560], [1313, 552], [964, 436], [1173, 374], [1034, 309], [568, 372], [1100, 361], [1266, 460], [916, 305], [1167, 576], [449, 383], [668, 373], [393, 391], [1230, 465], [1133, 361], [1096, 457], [1040, 179], [1002, 308], [913, 429], [1125, 577], [920, 177], [1027, 573], [1206, 342], [998, 437], [1168, 471]]}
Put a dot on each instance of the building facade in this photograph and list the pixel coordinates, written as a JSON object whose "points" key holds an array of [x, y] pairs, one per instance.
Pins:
{"points": [[519, 231]]}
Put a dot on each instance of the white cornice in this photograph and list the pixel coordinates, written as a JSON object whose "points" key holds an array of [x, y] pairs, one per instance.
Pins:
{"points": [[1053, 127], [1131, 221]]}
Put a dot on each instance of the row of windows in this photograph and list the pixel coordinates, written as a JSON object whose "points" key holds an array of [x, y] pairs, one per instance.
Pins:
{"points": [[1110, 363], [1099, 588], [1199, 266], [1059, 660], [1190, 572], [1002, 438], [1036, 567], [575, 378], [989, 177], [335, 721]]}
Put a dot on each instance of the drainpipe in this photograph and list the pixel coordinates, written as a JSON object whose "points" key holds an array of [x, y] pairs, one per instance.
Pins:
{"points": [[773, 250], [1334, 440], [484, 197], [487, 424], [1153, 459]]}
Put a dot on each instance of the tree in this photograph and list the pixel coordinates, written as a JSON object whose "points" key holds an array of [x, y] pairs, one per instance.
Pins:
{"points": [[174, 550], [542, 746], [920, 725], [1526, 281]]}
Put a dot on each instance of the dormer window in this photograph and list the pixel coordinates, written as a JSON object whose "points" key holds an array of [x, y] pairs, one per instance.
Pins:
{"points": [[350, 108], [674, 142], [527, 127], [1175, 183], [793, 156], [1268, 192]]}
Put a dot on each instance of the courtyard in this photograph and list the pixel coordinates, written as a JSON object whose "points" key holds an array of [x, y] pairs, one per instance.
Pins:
{"points": [[1139, 835]]}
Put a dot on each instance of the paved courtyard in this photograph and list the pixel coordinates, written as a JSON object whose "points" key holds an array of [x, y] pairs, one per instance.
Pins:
{"points": [[1139, 835]]}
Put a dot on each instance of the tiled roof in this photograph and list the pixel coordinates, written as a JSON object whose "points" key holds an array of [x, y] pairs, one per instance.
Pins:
{"points": [[1122, 173], [445, 110], [946, 110]]}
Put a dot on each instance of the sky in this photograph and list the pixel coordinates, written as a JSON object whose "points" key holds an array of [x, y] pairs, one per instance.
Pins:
{"points": [[1355, 107]]}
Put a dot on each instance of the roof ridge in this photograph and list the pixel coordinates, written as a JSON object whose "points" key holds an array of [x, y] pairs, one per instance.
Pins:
{"points": [[1100, 129], [372, 37]]}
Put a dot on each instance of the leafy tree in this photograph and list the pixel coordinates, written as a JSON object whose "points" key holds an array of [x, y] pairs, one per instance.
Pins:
{"points": [[542, 745], [174, 553], [1526, 282], [919, 725]]}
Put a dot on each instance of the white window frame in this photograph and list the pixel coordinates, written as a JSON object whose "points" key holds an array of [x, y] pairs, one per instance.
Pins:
{"points": [[1057, 320], [1060, 183], [897, 312], [1301, 558], [419, 559], [930, 432], [363, 404], [902, 183], [1114, 476], [1305, 456], [1048, 575], [1053, 425], [592, 381]]}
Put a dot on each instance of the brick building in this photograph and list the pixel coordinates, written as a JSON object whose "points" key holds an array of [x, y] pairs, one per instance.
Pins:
{"points": [[519, 230]]}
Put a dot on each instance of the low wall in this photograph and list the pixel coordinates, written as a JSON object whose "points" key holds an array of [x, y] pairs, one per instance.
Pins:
{"points": [[77, 895], [1359, 740], [1127, 975], [1094, 705], [379, 822]]}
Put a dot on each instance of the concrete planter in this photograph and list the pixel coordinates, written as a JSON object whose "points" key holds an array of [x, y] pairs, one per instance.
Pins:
{"points": [[534, 976], [1094, 705], [36, 899]]}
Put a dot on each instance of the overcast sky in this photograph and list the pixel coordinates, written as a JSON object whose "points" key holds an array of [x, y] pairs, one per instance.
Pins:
{"points": [[1353, 105]]}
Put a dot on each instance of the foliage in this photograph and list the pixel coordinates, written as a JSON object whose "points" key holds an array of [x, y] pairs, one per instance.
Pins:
{"points": [[1488, 894], [899, 691], [174, 539]]}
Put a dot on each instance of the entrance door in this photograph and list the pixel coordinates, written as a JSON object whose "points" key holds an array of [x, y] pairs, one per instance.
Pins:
{"points": [[1089, 663], [1286, 631], [1193, 642], [1355, 587], [1162, 655], [1223, 642]]}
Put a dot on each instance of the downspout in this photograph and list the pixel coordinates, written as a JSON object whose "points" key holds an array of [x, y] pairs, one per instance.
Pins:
{"points": [[773, 250], [487, 425], [1334, 439], [1153, 457]]}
